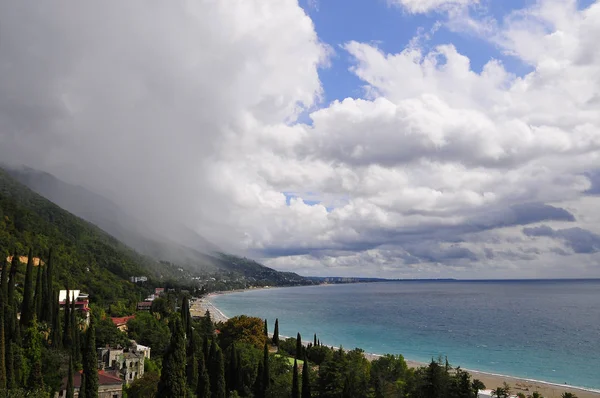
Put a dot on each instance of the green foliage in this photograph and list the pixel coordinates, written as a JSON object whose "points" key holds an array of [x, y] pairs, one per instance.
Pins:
{"points": [[173, 378], [288, 346], [147, 330], [306, 379], [386, 371], [276, 333], [32, 344], [108, 334], [90, 362], [299, 349], [295, 385], [243, 329], [144, 387]]}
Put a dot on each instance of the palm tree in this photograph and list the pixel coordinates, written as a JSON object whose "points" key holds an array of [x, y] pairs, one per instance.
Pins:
{"points": [[568, 395], [536, 395]]}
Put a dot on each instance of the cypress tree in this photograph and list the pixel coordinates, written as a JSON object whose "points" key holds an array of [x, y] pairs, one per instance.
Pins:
{"points": [[67, 334], [10, 363], [192, 362], [33, 347], [266, 330], [173, 378], [276, 333], [90, 362], [2, 354], [27, 304], [259, 391], [305, 379], [232, 369], [82, 387], [75, 334], [217, 379], [4, 282], [56, 336], [315, 340], [37, 297], [12, 280], [203, 387], [295, 387], [298, 346], [70, 385], [48, 285], [266, 373], [205, 348], [185, 314]]}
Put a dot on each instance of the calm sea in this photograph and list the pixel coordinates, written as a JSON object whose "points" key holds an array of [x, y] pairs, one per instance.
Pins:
{"points": [[544, 330]]}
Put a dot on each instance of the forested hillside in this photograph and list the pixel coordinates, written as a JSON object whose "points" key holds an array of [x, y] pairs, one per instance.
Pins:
{"points": [[84, 256]]}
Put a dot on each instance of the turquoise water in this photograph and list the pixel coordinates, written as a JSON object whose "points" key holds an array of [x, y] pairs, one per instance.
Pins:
{"points": [[543, 330]]}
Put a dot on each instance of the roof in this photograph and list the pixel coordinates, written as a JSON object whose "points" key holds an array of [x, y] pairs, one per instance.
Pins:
{"points": [[122, 320], [145, 304], [104, 379]]}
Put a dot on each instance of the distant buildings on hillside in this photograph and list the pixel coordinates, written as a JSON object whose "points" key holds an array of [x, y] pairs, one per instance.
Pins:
{"points": [[81, 300]]}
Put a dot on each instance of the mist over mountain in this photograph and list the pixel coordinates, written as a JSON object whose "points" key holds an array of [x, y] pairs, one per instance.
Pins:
{"points": [[176, 244]]}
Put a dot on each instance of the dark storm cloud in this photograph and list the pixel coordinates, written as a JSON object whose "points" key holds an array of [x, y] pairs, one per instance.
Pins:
{"points": [[578, 239]]}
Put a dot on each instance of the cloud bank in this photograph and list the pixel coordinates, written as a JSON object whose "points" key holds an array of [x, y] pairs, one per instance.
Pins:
{"points": [[191, 113]]}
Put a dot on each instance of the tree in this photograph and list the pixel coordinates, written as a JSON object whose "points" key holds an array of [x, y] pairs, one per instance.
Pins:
{"points": [[386, 371], [295, 387], [173, 378], [217, 376], [186, 319], [144, 387], [2, 352], [298, 346], [266, 373], [477, 386], [37, 297], [568, 395], [27, 305], [203, 387], [276, 333], [70, 385], [67, 334], [536, 395], [242, 329], [231, 375], [48, 290], [266, 330], [90, 361], [207, 328], [305, 379], [315, 340], [33, 353]]}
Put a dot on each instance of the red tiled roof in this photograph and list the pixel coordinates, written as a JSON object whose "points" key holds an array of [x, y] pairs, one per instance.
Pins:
{"points": [[122, 320], [104, 379]]}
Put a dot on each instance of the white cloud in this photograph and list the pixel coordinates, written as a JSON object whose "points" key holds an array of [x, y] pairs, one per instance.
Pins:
{"points": [[423, 6], [191, 116]]}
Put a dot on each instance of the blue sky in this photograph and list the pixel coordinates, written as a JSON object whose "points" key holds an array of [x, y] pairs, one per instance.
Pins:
{"points": [[391, 28]]}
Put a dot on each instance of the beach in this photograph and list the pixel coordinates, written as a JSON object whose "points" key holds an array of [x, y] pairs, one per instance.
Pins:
{"points": [[526, 386]]}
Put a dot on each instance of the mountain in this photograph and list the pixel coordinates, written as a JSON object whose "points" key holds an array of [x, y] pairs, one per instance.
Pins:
{"points": [[161, 255]]}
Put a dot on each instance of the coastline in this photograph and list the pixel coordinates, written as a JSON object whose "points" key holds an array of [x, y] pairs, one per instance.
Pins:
{"points": [[491, 380]]}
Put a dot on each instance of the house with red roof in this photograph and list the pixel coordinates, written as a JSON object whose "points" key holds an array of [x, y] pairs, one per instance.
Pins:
{"points": [[121, 323], [109, 385]]}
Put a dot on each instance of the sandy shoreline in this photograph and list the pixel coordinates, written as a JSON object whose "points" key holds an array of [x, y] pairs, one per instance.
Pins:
{"points": [[491, 380]]}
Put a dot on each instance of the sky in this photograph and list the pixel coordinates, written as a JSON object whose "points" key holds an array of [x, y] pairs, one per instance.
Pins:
{"points": [[389, 138]]}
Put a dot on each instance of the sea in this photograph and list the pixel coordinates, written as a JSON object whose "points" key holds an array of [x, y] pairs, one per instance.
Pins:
{"points": [[545, 330]]}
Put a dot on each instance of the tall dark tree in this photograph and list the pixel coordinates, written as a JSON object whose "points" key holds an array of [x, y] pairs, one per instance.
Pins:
{"points": [[37, 296], [10, 365], [266, 371], [231, 375], [217, 378], [173, 378], [305, 379], [192, 363], [186, 320], [276, 333], [27, 308], [315, 340], [82, 387], [48, 290], [2, 354], [70, 385], [4, 282], [10, 319], [258, 388], [295, 386], [55, 336], [205, 348], [298, 346], [67, 333], [203, 386], [90, 361], [266, 330], [32, 343], [75, 333]]}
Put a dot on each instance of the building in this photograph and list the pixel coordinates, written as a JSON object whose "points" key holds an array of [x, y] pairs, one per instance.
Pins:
{"points": [[145, 350], [129, 365], [158, 291], [144, 305], [109, 385], [121, 323], [136, 279], [82, 302]]}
